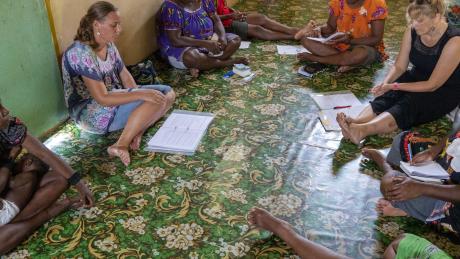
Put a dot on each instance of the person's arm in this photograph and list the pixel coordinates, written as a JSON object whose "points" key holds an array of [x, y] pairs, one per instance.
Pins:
{"points": [[219, 29], [179, 41], [36, 148], [447, 63], [404, 188], [5, 174], [127, 79], [99, 92], [429, 154], [330, 27]]}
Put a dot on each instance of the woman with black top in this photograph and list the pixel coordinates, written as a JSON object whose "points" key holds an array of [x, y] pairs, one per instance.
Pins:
{"points": [[424, 93]]}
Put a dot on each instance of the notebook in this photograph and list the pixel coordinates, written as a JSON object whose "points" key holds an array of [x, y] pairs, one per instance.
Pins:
{"points": [[331, 103], [426, 172], [181, 133], [322, 40]]}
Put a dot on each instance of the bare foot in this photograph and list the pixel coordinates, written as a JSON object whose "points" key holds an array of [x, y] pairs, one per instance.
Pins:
{"points": [[304, 56], [374, 155], [136, 143], [60, 206], [194, 72], [121, 152], [302, 32], [263, 219], [344, 125], [344, 69], [385, 208], [240, 60]]}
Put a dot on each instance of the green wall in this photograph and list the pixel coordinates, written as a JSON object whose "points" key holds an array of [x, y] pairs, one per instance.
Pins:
{"points": [[30, 80]]}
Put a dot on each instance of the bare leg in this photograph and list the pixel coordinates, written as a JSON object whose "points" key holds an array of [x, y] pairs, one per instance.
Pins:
{"points": [[194, 59], [385, 208], [355, 57], [302, 246], [11, 235], [140, 119], [170, 98], [232, 47], [262, 33], [366, 115], [317, 49], [383, 123], [378, 158], [50, 189], [264, 21]]}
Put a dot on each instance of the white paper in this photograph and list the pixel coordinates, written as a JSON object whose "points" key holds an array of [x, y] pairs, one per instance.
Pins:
{"points": [[180, 133], [291, 49], [322, 40], [330, 100], [427, 172], [245, 44], [302, 72], [328, 117]]}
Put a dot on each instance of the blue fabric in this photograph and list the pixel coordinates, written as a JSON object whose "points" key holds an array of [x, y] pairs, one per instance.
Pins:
{"points": [[124, 111]]}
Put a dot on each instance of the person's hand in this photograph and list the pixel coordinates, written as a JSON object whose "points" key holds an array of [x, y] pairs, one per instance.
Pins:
{"points": [[240, 16], [403, 188], [213, 46], [343, 38], [380, 89], [15, 151], [152, 96], [422, 157], [312, 29], [86, 196], [223, 42]]}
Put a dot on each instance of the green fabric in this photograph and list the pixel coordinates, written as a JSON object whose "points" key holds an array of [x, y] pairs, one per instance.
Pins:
{"points": [[265, 148], [240, 29], [412, 246]]}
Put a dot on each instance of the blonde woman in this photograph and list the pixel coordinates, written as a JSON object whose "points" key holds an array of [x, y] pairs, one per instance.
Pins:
{"points": [[425, 92]]}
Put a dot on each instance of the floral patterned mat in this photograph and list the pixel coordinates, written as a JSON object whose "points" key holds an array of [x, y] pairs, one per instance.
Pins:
{"points": [[265, 148]]}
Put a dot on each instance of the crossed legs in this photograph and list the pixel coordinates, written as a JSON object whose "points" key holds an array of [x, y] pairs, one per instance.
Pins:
{"points": [[139, 120], [194, 59], [326, 54], [37, 204]]}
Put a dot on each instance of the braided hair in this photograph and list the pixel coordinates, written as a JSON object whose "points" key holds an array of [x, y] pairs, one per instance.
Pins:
{"points": [[96, 12]]}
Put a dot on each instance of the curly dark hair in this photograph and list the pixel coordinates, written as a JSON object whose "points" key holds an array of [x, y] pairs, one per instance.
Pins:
{"points": [[96, 12]]}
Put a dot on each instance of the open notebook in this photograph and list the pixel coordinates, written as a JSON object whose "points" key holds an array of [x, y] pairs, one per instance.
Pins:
{"points": [[181, 133], [426, 172], [331, 103]]}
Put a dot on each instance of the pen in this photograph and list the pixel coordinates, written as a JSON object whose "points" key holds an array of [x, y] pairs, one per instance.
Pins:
{"points": [[409, 149], [341, 107]]}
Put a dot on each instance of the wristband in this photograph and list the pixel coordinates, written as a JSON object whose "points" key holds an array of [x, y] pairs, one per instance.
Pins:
{"points": [[74, 179], [395, 86]]}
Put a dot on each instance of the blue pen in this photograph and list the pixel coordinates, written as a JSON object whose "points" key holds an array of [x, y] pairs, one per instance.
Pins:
{"points": [[409, 148]]}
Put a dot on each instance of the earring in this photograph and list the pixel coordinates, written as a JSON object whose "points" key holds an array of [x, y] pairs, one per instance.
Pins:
{"points": [[98, 33]]}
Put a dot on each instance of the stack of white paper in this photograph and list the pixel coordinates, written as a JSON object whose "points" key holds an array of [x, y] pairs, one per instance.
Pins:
{"points": [[245, 44], [331, 103], [426, 172], [322, 39], [181, 133], [291, 49]]}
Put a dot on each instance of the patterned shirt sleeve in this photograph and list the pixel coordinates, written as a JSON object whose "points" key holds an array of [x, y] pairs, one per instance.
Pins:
{"points": [[171, 17], [82, 62], [334, 7], [119, 64], [379, 10]]}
